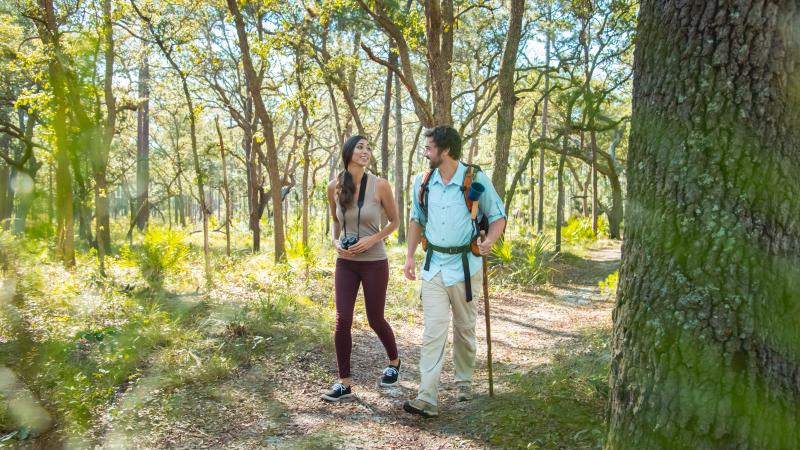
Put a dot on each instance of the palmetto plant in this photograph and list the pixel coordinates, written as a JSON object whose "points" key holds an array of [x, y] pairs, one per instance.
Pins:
{"points": [[523, 263]]}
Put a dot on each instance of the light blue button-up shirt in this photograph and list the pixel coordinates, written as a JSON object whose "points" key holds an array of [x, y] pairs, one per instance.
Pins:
{"points": [[449, 224]]}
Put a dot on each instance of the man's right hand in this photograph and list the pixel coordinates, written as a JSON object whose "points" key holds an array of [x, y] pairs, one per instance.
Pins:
{"points": [[410, 268]]}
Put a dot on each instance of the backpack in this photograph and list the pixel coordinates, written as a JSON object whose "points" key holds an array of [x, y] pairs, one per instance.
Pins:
{"points": [[479, 224]]}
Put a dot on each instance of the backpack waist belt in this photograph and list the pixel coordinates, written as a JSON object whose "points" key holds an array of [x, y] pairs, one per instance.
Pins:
{"points": [[464, 250]]}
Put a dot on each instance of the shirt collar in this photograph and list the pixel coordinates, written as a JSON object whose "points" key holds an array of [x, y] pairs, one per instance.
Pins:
{"points": [[458, 176]]}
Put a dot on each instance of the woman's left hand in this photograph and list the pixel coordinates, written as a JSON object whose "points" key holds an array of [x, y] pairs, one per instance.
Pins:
{"points": [[363, 244]]}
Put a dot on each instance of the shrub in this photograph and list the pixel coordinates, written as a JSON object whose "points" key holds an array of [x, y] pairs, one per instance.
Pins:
{"points": [[163, 251], [578, 229], [608, 287], [525, 264]]}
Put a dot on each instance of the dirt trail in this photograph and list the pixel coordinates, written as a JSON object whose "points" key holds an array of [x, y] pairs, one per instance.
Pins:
{"points": [[275, 403]]}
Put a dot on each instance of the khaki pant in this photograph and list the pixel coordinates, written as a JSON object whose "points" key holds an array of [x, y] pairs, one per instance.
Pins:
{"points": [[437, 300]]}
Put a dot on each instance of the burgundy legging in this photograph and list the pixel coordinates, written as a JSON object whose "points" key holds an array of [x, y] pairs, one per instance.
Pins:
{"points": [[374, 276]]}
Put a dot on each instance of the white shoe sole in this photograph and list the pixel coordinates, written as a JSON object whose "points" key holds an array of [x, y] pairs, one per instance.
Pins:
{"points": [[328, 398]]}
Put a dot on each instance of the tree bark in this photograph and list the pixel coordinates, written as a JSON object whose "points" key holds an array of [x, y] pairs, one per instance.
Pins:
{"points": [[706, 348], [508, 99]]}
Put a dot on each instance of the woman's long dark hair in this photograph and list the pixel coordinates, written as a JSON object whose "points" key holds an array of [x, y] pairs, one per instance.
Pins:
{"points": [[347, 187]]}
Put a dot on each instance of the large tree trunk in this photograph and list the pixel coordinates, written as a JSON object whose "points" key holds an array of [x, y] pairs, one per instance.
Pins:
{"points": [[706, 348], [143, 146], [100, 162], [65, 224], [439, 25], [267, 124], [508, 100]]}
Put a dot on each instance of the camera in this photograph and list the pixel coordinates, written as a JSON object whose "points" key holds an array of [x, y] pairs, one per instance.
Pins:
{"points": [[348, 242]]}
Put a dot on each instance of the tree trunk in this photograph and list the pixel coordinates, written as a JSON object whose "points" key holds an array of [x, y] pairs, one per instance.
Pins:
{"points": [[306, 171], [508, 100], [100, 162], [387, 111], [398, 160], [532, 196], [226, 189], [267, 124], [540, 218], [706, 348], [65, 224], [6, 194], [560, 200], [439, 25], [143, 146], [201, 194], [410, 184], [615, 213], [593, 142]]}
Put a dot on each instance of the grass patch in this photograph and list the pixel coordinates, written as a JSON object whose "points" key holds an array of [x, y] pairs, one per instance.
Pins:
{"points": [[560, 406], [74, 341]]}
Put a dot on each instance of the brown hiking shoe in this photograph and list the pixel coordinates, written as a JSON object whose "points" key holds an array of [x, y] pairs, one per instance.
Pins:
{"points": [[421, 407]]}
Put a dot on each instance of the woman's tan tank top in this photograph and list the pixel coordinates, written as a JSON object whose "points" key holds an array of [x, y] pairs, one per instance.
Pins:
{"points": [[370, 221]]}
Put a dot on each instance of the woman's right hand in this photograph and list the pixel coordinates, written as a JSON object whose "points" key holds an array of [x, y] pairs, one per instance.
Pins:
{"points": [[342, 252]]}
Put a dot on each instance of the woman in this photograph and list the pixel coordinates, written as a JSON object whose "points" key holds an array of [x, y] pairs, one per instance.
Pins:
{"points": [[358, 239]]}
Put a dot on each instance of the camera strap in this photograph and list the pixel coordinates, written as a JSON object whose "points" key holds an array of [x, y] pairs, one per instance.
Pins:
{"points": [[361, 192]]}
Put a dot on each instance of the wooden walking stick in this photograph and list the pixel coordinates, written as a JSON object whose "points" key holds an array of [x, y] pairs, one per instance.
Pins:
{"points": [[474, 194], [486, 317]]}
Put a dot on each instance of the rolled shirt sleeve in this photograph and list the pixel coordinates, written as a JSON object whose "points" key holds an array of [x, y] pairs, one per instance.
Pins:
{"points": [[490, 204]]}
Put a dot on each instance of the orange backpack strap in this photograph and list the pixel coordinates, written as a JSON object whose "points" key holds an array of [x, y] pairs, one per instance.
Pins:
{"points": [[423, 202], [466, 184], [423, 192]]}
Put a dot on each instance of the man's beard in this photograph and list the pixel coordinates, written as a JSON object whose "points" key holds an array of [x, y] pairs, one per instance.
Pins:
{"points": [[434, 163]]}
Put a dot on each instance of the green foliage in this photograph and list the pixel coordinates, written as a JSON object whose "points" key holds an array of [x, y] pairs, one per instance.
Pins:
{"points": [[522, 263], [560, 406], [608, 287], [162, 252], [578, 229], [295, 250]]}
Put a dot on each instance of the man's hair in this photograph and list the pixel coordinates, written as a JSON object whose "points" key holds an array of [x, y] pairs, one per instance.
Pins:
{"points": [[446, 138]]}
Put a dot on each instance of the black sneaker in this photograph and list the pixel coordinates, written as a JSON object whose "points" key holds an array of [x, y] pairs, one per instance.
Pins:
{"points": [[391, 375], [338, 392]]}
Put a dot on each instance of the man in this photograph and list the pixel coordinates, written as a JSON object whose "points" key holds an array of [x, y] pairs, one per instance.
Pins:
{"points": [[451, 275]]}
